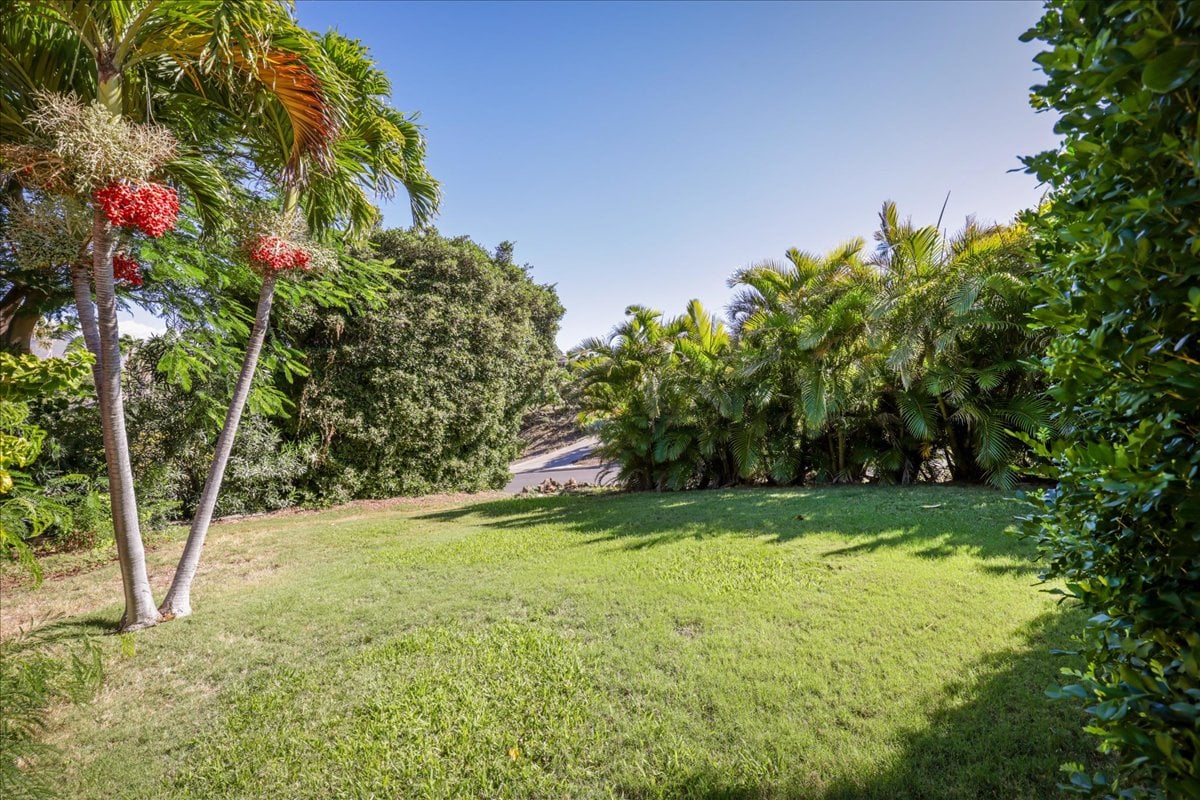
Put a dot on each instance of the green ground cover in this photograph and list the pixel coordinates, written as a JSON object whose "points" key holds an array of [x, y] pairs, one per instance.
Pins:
{"points": [[818, 643]]}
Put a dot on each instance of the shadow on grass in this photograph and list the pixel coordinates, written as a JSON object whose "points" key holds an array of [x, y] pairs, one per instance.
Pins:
{"points": [[994, 736], [64, 630], [931, 522]]}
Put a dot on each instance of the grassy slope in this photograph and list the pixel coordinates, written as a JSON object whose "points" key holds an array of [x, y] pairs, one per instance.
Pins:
{"points": [[828, 643]]}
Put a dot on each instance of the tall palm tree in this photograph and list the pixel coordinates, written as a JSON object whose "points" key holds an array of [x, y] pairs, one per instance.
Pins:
{"points": [[803, 326], [377, 150], [622, 380], [953, 311], [662, 393], [125, 54]]}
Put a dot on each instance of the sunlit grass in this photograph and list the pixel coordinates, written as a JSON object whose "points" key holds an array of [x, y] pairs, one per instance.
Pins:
{"points": [[830, 643]]}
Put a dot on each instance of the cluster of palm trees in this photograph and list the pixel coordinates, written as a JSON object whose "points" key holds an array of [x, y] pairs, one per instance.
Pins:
{"points": [[264, 111], [914, 361]]}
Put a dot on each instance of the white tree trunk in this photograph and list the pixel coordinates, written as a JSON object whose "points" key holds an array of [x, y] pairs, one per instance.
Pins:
{"points": [[81, 282], [140, 611], [178, 602]]}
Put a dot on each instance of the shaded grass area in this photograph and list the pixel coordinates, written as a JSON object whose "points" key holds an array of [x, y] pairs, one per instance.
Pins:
{"points": [[826, 643]]}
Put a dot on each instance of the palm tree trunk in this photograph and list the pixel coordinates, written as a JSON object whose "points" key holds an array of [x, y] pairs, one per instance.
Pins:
{"points": [[86, 309], [178, 602], [18, 321], [140, 611], [960, 460], [841, 456]]}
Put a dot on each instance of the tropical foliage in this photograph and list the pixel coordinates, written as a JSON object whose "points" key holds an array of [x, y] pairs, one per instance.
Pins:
{"points": [[128, 62], [454, 352], [218, 110], [36, 674], [1121, 240], [426, 391], [904, 363], [26, 511]]}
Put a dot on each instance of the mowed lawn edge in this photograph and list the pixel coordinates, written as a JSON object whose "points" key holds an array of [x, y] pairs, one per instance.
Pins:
{"points": [[823, 642]]}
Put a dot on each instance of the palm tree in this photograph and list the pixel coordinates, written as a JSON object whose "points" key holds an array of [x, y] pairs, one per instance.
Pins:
{"points": [[953, 311], [662, 393], [622, 377], [125, 55], [378, 149], [803, 326]]}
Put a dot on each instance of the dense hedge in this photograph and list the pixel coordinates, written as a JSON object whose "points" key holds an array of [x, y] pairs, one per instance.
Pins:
{"points": [[908, 363], [1121, 238], [426, 393]]}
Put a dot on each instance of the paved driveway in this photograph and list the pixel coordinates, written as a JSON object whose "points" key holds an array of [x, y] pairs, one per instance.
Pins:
{"points": [[562, 465]]}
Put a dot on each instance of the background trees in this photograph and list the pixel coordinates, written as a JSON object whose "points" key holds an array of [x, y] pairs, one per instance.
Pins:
{"points": [[1121, 292], [906, 363], [425, 391], [453, 354]]}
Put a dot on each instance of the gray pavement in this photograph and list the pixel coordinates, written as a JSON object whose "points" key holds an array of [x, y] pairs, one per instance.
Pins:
{"points": [[560, 465]]}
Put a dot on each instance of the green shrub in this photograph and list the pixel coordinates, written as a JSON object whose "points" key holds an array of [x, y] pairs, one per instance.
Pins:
{"points": [[171, 431], [427, 392], [35, 674], [26, 510], [908, 364], [1121, 240]]}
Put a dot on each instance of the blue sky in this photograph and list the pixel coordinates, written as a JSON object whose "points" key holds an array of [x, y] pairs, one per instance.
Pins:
{"points": [[641, 152]]}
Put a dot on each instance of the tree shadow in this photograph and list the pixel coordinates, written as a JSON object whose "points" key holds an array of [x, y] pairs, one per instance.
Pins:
{"points": [[70, 629], [930, 522], [994, 734], [999, 736]]}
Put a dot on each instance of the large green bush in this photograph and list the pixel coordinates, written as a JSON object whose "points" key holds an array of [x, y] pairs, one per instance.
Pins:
{"points": [[26, 509], [427, 392], [1121, 239], [172, 429]]}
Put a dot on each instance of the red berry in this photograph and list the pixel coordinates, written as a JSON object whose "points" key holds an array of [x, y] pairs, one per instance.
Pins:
{"points": [[157, 209], [117, 201], [274, 254], [126, 271], [153, 208]]}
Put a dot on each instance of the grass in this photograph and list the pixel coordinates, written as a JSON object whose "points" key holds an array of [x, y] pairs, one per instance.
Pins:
{"points": [[827, 643]]}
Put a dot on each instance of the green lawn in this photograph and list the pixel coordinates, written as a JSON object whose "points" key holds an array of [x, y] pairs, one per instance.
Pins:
{"points": [[826, 643]]}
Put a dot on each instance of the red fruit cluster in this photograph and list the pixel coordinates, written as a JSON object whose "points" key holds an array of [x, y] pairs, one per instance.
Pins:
{"points": [[150, 207], [273, 254], [126, 270]]}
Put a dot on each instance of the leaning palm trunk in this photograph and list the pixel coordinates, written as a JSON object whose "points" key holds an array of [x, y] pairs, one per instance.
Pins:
{"points": [[140, 611], [178, 602], [81, 283]]}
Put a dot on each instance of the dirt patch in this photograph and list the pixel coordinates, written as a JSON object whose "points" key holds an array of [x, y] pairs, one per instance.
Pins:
{"points": [[549, 428], [248, 557]]}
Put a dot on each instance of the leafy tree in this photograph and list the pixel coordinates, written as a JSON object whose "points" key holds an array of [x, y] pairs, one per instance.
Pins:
{"points": [[425, 392], [1121, 289]]}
